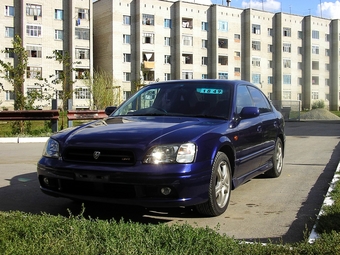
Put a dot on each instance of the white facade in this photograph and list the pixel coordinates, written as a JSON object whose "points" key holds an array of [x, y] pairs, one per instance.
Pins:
{"points": [[46, 26], [290, 57]]}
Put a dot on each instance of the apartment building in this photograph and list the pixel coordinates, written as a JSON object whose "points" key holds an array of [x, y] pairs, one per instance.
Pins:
{"points": [[290, 57], [46, 26]]}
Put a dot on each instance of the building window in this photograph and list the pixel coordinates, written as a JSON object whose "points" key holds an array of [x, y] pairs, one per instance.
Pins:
{"points": [[33, 30], [237, 37], [59, 74], [223, 76], [82, 13], [9, 11], [315, 34], [126, 95], [204, 76], [287, 47], [187, 40], [287, 79], [270, 32], [256, 78], [204, 43], [327, 37], [82, 73], [315, 80], [223, 26], [10, 95], [204, 26], [223, 43], [33, 10], [148, 38], [167, 23], [299, 64], [204, 61], [126, 76], [167, 41], [270, 80], [315, 49], [287, 32], [300, 50], [327, 67], [187, 23], [58, 14], [82, 93], [126, 20], [34, 51], [256, 29], [34, 72], [126, 39], [126, 57], [237, 71], [270, 48], [82, 34], [300, 81], [187, 75], [286, 63], [256, 45], [300, 34], [315, 95], [256, 61], [9, 53], [327, 52], [187, 58], [148, 19], [167, 76], [82, 54], [270, 64], [167, 59], [9, 32], [237, 55], [315, 65], [58, 34], [327, 82], [287, 95]]}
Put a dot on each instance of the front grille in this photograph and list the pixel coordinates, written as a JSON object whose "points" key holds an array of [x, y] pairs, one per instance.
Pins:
{"points": [[99, 156]]}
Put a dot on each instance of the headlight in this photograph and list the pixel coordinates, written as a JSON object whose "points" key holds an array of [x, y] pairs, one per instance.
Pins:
{"points": [[172, 153], [51, 149]]}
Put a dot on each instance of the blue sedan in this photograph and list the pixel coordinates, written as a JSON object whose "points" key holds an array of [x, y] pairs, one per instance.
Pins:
{"points": [[176, 143]]}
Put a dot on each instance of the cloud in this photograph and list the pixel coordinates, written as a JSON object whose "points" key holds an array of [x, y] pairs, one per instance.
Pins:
{"points": [[329, 10], [266, 5]]}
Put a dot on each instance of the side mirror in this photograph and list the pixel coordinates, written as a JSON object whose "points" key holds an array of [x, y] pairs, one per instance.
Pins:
{"points": [[249, 112], [110, 109]]}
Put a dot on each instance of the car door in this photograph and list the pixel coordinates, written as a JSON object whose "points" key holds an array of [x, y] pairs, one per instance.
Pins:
{"points": [[249, 136], [269, 124]]}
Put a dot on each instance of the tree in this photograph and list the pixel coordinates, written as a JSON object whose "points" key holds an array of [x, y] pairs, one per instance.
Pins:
{"points": [[104, 92], [15, 74]]}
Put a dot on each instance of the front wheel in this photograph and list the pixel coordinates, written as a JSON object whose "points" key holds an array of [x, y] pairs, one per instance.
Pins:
{"points": [[277, 161], [219, 187]]}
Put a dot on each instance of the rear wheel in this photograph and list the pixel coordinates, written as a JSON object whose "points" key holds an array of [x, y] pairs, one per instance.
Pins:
{"points": [[277, 161], [219, 187]]}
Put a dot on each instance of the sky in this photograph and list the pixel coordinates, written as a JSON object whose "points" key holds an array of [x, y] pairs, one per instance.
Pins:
{"points": [[329, 9]]}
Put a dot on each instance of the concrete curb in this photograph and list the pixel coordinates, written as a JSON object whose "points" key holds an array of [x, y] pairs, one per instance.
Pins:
{"points": [[24, 140], [327, 202]]}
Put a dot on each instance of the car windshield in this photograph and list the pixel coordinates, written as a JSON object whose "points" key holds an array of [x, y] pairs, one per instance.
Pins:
{"points": [[190, 98]]}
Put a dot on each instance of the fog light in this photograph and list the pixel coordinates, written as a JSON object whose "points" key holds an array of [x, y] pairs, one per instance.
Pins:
{"points": [[166, 191], [46, 181]]}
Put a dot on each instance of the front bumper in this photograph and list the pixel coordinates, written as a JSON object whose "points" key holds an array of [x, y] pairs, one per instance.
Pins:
{"points": [[140, 184]]}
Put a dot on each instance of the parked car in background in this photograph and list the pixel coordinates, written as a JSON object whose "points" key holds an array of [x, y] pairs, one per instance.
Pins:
{"points": [[176, 143]]}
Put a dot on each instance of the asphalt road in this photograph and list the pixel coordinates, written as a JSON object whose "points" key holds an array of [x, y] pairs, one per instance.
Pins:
{"points": [[281, 209]]}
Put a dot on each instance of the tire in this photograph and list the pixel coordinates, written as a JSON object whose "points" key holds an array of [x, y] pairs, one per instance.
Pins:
{"points": [[277, 161], [219, 187]]}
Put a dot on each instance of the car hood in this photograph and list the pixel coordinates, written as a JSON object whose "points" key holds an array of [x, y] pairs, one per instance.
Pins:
{"points": [[124, 131]]}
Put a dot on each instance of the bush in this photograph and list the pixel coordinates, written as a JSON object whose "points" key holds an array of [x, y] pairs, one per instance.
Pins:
{"points": [[318, 104]]}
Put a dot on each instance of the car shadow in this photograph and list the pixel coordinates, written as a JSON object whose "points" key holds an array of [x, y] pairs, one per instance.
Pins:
{"points": [[23, 194]]}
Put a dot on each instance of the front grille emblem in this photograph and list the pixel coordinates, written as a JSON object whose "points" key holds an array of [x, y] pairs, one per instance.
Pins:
{"points": [[96, 154]]}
